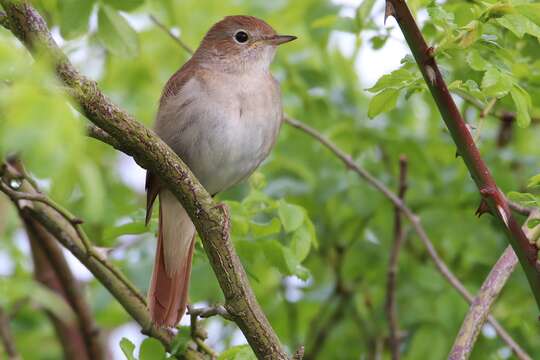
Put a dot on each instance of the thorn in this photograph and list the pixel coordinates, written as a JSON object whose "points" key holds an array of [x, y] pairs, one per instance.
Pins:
{"points": [[432, 77], [457, 154], [482, 208], [430, 52], [77, 221], [389, 11]]}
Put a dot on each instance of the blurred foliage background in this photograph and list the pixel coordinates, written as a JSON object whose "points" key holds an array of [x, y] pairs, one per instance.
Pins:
{"points": [[302, 224]]}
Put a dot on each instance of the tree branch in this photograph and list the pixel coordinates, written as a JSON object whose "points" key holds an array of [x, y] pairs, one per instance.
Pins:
{"points": [[527, 253], [399, 236], [153, 154], [484, 300], [6, 337], [413, 219], [81, 339], [176, 39], [42, 214]]}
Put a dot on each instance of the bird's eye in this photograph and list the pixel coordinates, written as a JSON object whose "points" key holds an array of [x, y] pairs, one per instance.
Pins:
{"points": [[241, 36]]}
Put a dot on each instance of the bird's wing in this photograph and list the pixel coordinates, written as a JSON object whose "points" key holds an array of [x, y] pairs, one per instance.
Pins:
{"points": [[171, 89]]}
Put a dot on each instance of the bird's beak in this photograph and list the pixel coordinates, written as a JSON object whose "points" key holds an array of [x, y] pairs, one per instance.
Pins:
{"points": [[280, 39]]}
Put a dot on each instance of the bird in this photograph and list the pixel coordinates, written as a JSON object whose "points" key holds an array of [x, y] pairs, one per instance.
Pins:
{"points": [[221, 113]]}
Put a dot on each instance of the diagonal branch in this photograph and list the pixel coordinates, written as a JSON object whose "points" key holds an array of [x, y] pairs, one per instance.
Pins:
{"points": [[6, 337], [175, 38], [80, 339], [415, 222], [56, 224], [492, 196], [481, 306], [153, 154]]}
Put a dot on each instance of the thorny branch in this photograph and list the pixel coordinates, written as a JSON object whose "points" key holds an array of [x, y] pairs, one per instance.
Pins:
{"points": [[415, 222], [491, 195], [399, 236]]}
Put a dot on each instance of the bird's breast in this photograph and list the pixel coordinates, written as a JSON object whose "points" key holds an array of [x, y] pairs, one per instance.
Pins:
{"points": [[225, 126]]}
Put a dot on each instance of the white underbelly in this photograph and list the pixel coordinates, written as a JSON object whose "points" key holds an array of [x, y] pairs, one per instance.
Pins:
{"points": [[229, 155], [222, 133]]}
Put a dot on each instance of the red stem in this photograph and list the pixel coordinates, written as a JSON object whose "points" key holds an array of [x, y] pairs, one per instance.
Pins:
{"points": [[496, 201]]}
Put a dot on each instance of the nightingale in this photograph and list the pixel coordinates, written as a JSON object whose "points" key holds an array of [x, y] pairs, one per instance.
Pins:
{"points": [[221, 113]]}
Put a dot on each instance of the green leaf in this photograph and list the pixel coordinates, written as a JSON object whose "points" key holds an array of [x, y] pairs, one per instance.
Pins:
{"points": [[534, 181], [116, 34], [384, 101], [496, 83], [362, 13], [242, 352], [336, 22], [280, 257], [264, 229], [522, 198], [127, 348], [532, 223], [131, 228], [93, 190], [181, 340], [531, 11], [496, 10], [519, 25], [74, 17], [301, 243], [125, 5], [522, 100], [397, 79], [291, 216], [470, 33], [440, 17], [476, 61], [151, 349]]}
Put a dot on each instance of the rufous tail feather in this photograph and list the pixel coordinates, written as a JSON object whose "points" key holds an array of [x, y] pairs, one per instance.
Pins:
{"points": [[168, 293]]}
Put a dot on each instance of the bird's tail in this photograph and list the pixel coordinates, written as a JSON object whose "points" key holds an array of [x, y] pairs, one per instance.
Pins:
{"points": [[167, 297]]}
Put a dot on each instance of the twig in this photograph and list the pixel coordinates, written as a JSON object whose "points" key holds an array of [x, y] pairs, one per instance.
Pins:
{"points": [[153, 154], [35, 195], [487, 109], [210, 311], [101, 135], [399, 236], [199, 335], [413, 219], [483, 113], [481, 306], [59, 227], [6, 337], [520, 209], [499, 114], [491, 195], [177, 39]]}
